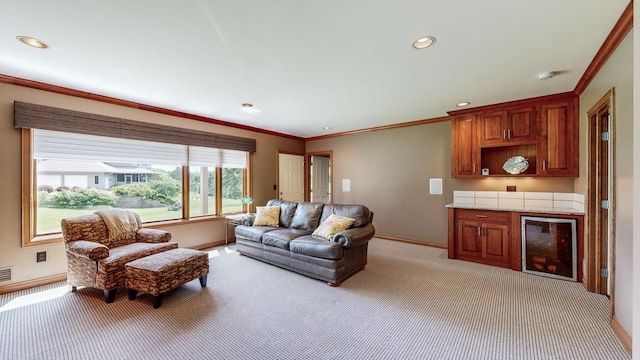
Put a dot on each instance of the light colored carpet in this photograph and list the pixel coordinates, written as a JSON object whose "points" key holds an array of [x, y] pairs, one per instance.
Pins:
{"points": [[411, 302]]}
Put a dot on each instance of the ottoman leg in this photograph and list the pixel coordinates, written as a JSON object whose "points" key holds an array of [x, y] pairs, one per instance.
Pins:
{"points": [[132, 294], [203, 281], [157, 301]]}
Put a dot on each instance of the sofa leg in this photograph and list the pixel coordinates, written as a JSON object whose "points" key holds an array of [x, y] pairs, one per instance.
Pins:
{"points": [[74, 288], [203, 281], [110, 295], [335, 284], [132, 294]]}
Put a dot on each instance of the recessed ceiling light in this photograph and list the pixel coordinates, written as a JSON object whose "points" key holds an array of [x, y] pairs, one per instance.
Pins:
{"points": [[424, 42], [248, 108], [464, 103], [33, 42], [327, 127]]}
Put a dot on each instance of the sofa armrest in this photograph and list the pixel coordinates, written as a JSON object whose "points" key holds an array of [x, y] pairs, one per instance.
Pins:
{"points": [[88, 249], [152, 236], [355, 236]]}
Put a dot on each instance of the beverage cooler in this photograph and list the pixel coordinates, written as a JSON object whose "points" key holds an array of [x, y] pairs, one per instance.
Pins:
{"points": [[549, 247]]}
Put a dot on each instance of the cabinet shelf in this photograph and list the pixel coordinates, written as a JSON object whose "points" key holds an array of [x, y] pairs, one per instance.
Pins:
{"points": [[493, 158]]}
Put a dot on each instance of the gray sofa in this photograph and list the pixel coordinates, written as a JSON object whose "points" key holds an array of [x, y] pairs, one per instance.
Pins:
{"points": [[291, 245]]}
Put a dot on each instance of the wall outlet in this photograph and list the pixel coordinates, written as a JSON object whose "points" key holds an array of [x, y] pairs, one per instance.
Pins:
{"points": [[41, 256], [511, 188]]}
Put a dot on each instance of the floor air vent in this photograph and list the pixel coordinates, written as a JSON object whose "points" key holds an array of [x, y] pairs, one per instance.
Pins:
{"points": [[5, 274]]}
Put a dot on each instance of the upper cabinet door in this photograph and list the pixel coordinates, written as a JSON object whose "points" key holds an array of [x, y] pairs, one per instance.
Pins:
{"points": [[464, 151], [557, 142], [510, 127], [491, 128], [521, 125]]}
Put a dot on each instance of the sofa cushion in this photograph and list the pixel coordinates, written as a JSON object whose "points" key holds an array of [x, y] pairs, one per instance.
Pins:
{"points": [[267, 216], [307, 216], [281, 237], [252, 233], [333, 225], [316, 247], [359, 213], [287, 209]]}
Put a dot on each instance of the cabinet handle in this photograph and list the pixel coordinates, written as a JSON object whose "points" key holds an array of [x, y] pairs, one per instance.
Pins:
{"points": [[544, 165], [481, 216], [479, 231], [509, 134], [504, 134], [474, 168]]}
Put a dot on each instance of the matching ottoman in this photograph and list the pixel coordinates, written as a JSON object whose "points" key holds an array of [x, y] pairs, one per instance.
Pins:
{"points": [[156, 274]]}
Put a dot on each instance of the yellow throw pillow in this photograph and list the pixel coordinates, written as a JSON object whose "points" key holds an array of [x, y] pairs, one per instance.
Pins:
{"points": [[333, 225], [267, 216]]}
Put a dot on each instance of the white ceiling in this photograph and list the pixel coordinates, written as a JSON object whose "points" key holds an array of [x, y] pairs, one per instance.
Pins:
{"points": [[307, 64]]}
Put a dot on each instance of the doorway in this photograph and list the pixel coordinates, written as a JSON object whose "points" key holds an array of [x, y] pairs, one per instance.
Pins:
{"points": [[319, 177], [290, 184], [601, 194]]}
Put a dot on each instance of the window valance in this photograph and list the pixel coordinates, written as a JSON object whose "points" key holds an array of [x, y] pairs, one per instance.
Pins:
{"points": [[34, 116]]}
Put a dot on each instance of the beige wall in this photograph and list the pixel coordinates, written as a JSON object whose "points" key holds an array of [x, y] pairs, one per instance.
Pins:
{"points": [[23, 260], [617, 74], [390, 171]]}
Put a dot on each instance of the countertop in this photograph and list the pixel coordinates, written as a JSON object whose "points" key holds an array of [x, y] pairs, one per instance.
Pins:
{"points": [[532, 209]]}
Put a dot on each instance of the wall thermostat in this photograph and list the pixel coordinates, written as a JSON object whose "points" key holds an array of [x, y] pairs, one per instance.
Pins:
{"points": [[485, 171]]}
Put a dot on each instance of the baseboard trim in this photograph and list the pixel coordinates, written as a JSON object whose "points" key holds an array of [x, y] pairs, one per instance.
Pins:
{"points": [[415, 242], [211, 244], [32, 283], [622, 334]]}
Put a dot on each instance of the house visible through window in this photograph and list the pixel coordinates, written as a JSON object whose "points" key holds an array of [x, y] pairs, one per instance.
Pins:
{"points": [[68, 169]]}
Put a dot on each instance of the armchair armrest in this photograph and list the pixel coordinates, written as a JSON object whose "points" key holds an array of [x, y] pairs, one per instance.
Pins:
{"points": [[152, 236], [355, 236], [88, 249]]}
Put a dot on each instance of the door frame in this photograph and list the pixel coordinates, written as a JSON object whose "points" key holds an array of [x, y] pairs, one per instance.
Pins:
{"points": [[307, 173], [595, 245]]}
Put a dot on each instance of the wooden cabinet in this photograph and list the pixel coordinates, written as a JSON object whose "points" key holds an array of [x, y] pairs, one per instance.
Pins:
{"points": [[494, 237], [543, 130], [482, 236], [508, 127], [557, 143], [464, 150]]}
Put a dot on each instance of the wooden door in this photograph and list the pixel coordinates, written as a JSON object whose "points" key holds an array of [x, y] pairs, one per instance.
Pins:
{"points": [[468, 240], [601, 198], [291, 177], [464, 149], [491, 128], [521, 125], [495, 242], [557, 142]]}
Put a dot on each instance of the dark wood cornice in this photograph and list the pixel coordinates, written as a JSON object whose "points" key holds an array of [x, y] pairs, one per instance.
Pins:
{"points": [[110, 100], [617, 34], [516, 103], [378, 128]]}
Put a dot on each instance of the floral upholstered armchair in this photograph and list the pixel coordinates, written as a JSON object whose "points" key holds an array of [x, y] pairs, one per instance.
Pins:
{"points": [[99, 245]]}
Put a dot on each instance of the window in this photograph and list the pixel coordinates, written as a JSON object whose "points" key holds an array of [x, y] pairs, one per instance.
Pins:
{"points": [[152, 187], [232, 190], [131, 156]]}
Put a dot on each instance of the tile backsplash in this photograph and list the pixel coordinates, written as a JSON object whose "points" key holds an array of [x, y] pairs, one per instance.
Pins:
{"points": [[520, 199]]}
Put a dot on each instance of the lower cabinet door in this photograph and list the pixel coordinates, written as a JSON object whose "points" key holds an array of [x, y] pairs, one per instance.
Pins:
{"points": [[495, 242], [468, 239]]}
